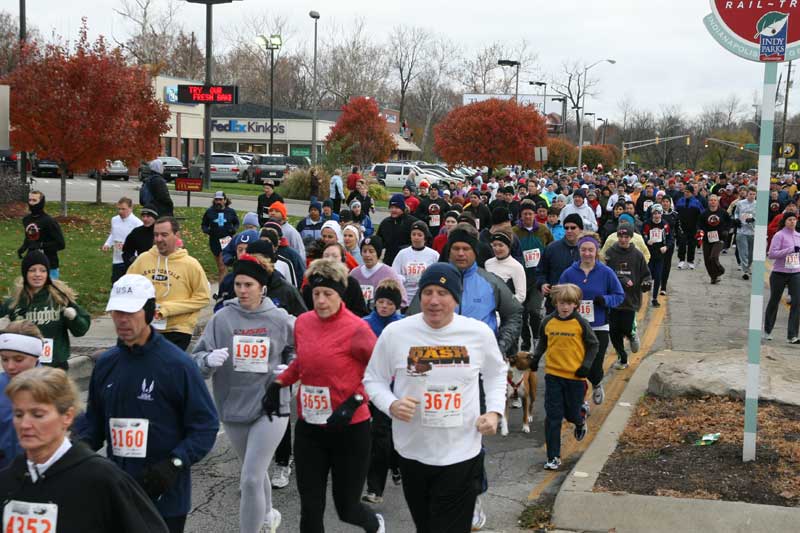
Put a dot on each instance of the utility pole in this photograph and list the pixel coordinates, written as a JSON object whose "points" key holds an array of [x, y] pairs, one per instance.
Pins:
{"points": [[785, 111], [23, 36]]}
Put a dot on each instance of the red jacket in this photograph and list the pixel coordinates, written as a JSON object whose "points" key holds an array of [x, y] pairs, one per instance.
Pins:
{"points": [[333, 353], [352, 179]]}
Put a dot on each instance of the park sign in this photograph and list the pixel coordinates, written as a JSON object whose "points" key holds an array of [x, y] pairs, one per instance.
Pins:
{"points": [[757, 30]]}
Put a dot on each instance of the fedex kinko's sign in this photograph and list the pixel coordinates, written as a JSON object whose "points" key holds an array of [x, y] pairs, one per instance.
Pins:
{"points": [[758, 30]]}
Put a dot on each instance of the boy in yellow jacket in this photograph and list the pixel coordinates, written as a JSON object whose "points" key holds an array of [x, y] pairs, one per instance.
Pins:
{"points": [[571, 346], [182, 288]]}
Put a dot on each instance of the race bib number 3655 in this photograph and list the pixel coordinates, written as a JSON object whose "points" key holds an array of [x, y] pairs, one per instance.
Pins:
{"points": [[129, 437], [316, 403], [25, 517]]}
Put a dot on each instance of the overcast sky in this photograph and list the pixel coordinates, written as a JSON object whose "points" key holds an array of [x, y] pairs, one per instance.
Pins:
{"points": [[664, 54]]}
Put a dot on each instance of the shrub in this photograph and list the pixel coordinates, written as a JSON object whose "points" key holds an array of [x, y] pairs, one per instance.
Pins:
{"points": [[298, 184], [378, 191]]}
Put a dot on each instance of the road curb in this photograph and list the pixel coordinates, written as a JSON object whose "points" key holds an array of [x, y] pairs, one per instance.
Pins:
{"points": [[578, 507]]}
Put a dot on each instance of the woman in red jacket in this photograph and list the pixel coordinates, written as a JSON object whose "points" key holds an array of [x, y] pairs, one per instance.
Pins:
{"points": [[333, 348]]}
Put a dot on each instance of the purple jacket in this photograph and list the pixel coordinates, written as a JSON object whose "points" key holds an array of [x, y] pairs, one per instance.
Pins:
{"points": [[783, 243]]}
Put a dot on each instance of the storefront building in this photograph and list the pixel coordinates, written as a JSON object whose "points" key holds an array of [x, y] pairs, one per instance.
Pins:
{"points": [[184, 139]]}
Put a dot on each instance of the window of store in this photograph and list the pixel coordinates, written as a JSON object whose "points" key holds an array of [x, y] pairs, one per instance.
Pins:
{"points": [[224, 146], [253, 148], [303, 150], [279, 149]]}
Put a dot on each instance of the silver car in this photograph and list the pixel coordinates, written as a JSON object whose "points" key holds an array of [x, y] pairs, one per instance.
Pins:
{"points": [[224, 167]]}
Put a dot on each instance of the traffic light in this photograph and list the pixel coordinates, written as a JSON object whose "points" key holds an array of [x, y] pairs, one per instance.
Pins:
{"points": [[688, 141], [741, 147], [705, 143], [656, 139]]}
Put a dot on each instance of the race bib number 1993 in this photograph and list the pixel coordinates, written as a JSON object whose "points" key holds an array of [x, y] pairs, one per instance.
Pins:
{"points": [[250, 354]]}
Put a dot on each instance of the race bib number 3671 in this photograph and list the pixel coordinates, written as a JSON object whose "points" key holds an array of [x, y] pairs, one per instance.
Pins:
{"points": [[25, 517]]}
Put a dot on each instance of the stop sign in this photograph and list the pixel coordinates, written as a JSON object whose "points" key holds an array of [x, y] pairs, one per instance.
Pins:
{"points": [[761, 30]]}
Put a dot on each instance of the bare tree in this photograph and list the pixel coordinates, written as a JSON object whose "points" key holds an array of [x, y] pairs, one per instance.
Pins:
{"points": [[481, 73], [150, 41], [571, 84], [407, 46]]}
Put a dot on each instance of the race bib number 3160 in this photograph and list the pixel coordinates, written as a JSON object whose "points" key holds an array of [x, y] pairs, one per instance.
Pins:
{"points": [[25, 517], [129, 437]]}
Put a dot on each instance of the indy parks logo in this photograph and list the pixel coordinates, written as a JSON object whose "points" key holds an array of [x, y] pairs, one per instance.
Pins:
{"points": [[772, 29]]}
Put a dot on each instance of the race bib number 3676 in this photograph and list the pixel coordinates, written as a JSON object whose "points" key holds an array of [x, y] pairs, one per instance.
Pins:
{"points": [[442, 407], [25, 517]]}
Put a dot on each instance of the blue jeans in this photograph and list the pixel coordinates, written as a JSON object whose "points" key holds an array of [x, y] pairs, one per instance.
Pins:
{"points": [[656, 265], [744, 244], [562, 399]]}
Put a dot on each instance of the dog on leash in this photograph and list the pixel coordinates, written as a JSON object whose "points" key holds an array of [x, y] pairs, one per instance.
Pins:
{"points": [[521, 384]]}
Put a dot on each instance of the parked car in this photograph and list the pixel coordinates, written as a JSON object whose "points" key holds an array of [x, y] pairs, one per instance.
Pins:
{"points": [[173, 168], [47, 167], [299, 161], [224, 167], [264, 166], [395, 174], [113, 170]]}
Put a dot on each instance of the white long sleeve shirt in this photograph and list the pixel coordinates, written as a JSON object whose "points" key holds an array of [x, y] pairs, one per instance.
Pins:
{"points": [[410, 264], [510, 268], [440, 368], [120, 228]]}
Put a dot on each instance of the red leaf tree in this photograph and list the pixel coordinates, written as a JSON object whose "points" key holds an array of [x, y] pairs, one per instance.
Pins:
{"points": [[362, 132], [490, 133], [604, 154], [82, 106], [561, 153]]}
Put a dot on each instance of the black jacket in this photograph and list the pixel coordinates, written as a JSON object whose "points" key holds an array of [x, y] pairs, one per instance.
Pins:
{"points": [[481, 214], [42, 232], [138, 241], [629, 265], [396, 234], [263, 206], [92, 494], [159, 193]]}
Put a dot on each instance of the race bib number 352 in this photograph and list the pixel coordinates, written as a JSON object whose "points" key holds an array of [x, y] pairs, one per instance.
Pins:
{"points": [[25, 517], [129, 437]]}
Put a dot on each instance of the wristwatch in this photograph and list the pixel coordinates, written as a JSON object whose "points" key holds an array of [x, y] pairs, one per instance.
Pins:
{"points": [[177, 462]]}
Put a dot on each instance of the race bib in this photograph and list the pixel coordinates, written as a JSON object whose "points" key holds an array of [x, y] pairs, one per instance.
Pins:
{"points": [[442, 406], [586, 310], [435, 220], [368, 291], [250, 354], [316, 403], [25, 517], [713, 236], [47, 351], [159, 324], [478, 224], [118, 245], [647, 204], [129, 437], [223, 242], [414, 271], [532, 257], [656, 235], [792, 261]]}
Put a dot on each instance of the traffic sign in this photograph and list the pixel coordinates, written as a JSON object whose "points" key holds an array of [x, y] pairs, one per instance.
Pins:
{"points": [[794, 166], [540, 153], [786, 150], [751, 146], [754, 30]]}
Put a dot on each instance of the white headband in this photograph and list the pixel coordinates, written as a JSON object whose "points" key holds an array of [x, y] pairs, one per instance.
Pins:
{"points": [[21, 343]]}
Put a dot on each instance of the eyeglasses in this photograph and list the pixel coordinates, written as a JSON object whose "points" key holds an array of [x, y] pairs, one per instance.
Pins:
{"points": [[571, 227]]}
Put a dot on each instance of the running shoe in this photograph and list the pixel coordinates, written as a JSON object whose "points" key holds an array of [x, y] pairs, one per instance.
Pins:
{"points": [[619, 365], [478, 516], [681, 265], [655, 303], [714, 281], [397, 478], [580, 432], [794, 340], [381, 523], [724, 251], [768, 336], [552, 464], [598, 395], [272, 520], [371, 497], [663, 292], [691, 266], [280, 477], [585, 409], [634, 341], [745, 276]]}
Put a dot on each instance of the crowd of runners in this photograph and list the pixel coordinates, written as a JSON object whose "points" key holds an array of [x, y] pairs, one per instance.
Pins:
{"points": [[371, 351]]}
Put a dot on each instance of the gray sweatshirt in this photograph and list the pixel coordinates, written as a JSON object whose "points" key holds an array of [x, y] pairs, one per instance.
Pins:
{"points": [[238, 394]]}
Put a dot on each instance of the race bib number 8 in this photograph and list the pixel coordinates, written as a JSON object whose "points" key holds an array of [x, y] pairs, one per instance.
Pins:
{"points": [[47, 351], [316, 404], [250, 354], [442, 407], [129, 437], [24, 517], [586, 310]]}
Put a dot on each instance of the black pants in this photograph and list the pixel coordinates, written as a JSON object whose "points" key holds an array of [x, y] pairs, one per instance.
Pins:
{"points": [[711, 259], [562, 400], [596, 372], [382, 448], [621, 323], [441, 498], [337, 204], [777, 282], [531, 320], [181, 340], [284, 452], [667, 267], [687, 245], [175, 524], [345, 454], [117, 271]]}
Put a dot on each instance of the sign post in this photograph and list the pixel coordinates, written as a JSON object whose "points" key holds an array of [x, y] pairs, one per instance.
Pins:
{"points": [[766, 32]]}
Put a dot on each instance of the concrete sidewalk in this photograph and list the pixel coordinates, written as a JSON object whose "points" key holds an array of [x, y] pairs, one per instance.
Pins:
{"points": [[577, 507]]}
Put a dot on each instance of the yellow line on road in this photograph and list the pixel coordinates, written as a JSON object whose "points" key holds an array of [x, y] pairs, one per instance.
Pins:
{"points": [[613, 390]]}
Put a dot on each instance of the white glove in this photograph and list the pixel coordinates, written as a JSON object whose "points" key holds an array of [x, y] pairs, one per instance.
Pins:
{"points": [[70, 313], [216, 358]]}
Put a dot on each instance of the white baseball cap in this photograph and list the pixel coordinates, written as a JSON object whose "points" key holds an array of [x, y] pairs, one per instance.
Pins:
{"points": [[130, 293]]}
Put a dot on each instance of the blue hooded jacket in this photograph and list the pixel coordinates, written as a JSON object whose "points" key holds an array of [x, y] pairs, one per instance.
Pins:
{"points": [[9, 444], [601, 281], [377, 322]]}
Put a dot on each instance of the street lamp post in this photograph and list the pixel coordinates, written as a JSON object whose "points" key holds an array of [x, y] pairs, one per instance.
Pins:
{"points": [[605, 123], [23, 35], [271, 43], [563, 100], [512, 63], [314, 15], [544, 94], [594, 123], [583, 103]]}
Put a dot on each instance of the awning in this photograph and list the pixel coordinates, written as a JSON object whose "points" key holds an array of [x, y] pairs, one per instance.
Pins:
{"points": [[403, 145]]}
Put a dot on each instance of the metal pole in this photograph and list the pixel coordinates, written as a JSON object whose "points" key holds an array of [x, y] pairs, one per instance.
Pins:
{"points": [[23, 36], [207, 106], [759, 255], [605, 125], [315, 103], [785, 110], [516, 91], [544, 103], [564, 117], [271, 96], [580, 126]]}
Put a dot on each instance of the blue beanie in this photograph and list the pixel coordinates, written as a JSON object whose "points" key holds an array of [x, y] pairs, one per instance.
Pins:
{"points": [[397, 200], [250, 219], [443, 275], [315, 205], [245, 237], [626, 217]]}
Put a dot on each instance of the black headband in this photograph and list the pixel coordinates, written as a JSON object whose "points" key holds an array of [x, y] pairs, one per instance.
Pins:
{"points": [[318, 280]]}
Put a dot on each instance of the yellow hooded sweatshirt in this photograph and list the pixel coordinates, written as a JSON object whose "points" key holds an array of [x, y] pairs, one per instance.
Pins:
{"points": [[182, 288]]}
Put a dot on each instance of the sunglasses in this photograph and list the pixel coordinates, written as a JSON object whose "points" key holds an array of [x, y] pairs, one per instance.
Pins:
{"points": [[570, 227]]}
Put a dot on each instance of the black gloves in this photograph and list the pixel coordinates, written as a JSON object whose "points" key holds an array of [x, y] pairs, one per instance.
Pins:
{"points": [[343, 414], [271, 402], [582, 372], [646, 286], [797, 249], [599, 301], [750, 220], [159, 478], [738, 223]]}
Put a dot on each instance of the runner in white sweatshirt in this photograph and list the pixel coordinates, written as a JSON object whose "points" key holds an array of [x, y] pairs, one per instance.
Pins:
{"points": [[506, 267], [435, 359], [411, 262], [121, 225]]}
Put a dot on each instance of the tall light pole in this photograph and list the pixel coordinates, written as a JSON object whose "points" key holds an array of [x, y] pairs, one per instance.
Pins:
{"points": [[512, 63], [583, 105], [271, 43], [544, 94], [23, 36], [314, 15], [563, 100], [594, 122], [605, 124]]}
